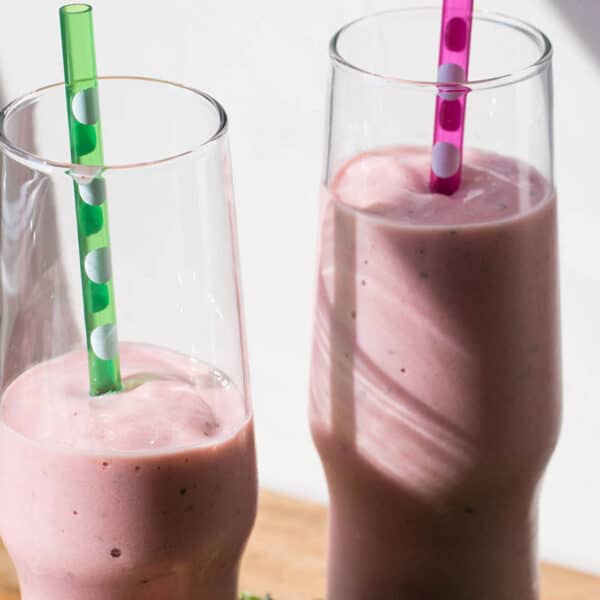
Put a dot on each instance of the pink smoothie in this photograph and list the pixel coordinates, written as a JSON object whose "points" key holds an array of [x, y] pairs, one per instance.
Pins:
{"points": [[149, 494], [435, 391]]}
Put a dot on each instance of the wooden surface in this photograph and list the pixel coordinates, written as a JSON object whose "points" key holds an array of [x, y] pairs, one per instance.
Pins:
{"points": [[286, 556]]}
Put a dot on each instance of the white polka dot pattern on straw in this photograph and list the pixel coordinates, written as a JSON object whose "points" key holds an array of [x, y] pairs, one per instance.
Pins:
{"points": [[97, 262], [98, 265], [450, 73], [85, 106], [91, 201], [445, 159], [104, 341], [452, 90], [93, 193]]}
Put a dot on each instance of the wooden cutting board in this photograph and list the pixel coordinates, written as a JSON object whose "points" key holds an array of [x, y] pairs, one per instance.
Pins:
{"points": [[286, 556]]}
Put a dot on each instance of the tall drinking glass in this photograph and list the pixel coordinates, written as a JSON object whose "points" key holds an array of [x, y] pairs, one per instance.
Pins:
{"points": [[435, 386], [150, 492]]}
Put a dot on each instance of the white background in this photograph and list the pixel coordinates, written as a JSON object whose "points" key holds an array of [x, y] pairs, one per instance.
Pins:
{"points": [[266, 60]]}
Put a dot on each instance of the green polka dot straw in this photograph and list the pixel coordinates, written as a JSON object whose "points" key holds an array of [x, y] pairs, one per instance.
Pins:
{"points": [[85, 135]]}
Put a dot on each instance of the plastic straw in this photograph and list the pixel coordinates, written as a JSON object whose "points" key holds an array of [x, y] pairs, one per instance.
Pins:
{"points": [[79, 59], [451, 102]]}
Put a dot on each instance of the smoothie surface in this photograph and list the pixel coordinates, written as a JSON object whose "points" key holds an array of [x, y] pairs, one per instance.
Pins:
{"points": [[394, 184], [168, 401]]}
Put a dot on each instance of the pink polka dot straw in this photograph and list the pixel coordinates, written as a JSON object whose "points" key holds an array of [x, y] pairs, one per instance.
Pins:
{"points": [[455, 46]]}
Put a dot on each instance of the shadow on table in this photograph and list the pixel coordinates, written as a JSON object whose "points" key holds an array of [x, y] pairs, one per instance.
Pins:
{"points": [[583, 16]]}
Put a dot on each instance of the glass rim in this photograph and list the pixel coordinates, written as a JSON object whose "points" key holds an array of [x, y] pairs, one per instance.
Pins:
{"points": [[497, 18], [41, 163]]}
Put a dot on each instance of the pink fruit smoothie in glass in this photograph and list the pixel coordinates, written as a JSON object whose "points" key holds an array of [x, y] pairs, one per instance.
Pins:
{"points": [[435, 391], [148, 494]]}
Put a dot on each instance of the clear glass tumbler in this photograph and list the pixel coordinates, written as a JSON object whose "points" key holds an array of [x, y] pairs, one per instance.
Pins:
{"points": [[149, 492], [435, 384]]}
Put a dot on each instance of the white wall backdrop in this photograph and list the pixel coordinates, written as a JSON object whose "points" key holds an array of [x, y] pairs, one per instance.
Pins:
{"points": [[266, 60]]}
